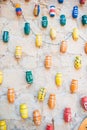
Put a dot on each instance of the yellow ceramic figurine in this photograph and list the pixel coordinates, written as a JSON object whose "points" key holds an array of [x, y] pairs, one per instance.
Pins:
{"points": [[18, 52], [42, 94], [38, 40], [1, 77], [3, 125], [24, 111], [77, 62], [58, 79], [75, 34], [53, 33]]}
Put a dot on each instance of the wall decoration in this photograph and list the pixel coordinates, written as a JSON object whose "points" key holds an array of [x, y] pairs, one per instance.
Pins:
{"points": [[63, 47], [27, 28], [49, 127], [75, 12], [37, 118], [82, 1], [53, 33], [1, 77], [5, 36], [67, 115], [52, 101], [44, 21], [74, 86], [24, 111], [42, 94], [84, 19], [75, 34], [11, 95], [58, 79], [36, 11], [52, 11], [62, 19], [48, 62], [29, 77], [38, 40], [85, 48], [78, 62], [18, 9], [18, 52], [3, 125], [84, 102]]}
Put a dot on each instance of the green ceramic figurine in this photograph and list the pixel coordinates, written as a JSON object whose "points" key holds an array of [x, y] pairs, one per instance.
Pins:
{"points": [[84, 19], [27, 28], [63, 20], [5, 36], [44, 22], [29, 77]]}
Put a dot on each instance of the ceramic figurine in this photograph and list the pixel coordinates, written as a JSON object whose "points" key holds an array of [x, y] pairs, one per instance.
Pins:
{"points": [[49, 127], [44, 21], [77, 62], [38, 40], [42, 94], [48, 62], [63, 20], [75, 12], [24, 111], [36, 11], [1, 77], [85, 48], [75, 34], [82, 1], [3, 125], [84, 102], [5, 36], [63, 47], [37, 118], [18, 10], [84, 19], [52, 33], [18, 52], [52, 101], [60, 1], [29, 77], [67, 115], [27, 28], [52, 11], [11, 95], [58, 79], [74, 86]]}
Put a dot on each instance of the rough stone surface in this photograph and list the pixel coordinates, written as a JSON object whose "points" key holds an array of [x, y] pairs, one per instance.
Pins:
{"points": [[33, 59]]}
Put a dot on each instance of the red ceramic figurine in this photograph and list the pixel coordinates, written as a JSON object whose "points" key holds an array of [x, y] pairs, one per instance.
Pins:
{"points": [[82, 1], [84, 102], [50, 127], [67, 115]]}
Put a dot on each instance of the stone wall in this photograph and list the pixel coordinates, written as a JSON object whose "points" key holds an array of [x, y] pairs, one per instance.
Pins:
{"points": [[33, 59]]}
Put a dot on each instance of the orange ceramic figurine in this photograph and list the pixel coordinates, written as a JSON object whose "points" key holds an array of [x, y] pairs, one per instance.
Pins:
{"points": [[37, 117], [48, 62], [74, 86], [52, 101], [63, 47], [85, 48], [11, 95]]}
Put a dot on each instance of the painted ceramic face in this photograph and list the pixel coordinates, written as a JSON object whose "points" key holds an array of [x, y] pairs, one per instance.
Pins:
{"points": [[84, 102]]}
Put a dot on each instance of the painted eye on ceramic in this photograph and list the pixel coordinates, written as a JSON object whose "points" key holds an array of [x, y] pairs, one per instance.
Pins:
{"points": [[24, 111], [67, 115], [84, 102], [29, 77], [60, 1], [63, 47], [52, 101], [37, 118], [74, 86], [52, 11], [18, 52], [41, 94], [48, 62], [5, 36], [77, 62], [27, 28], [84, 19], [38, 40], [1, 77], [58, 79], [52, 33], [75, 12], [44, 22], [3, 125], [75, 34], [11, 95], [36, 10], [62, 19], [18, 10], [49, 127]]}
